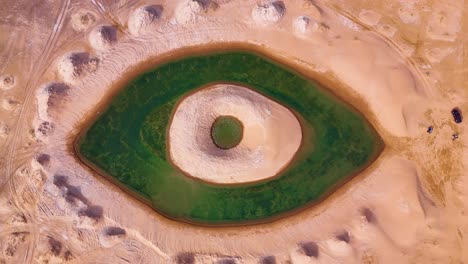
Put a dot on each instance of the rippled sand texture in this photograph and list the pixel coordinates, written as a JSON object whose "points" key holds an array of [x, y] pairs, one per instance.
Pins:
{"points": [[402, 63]]}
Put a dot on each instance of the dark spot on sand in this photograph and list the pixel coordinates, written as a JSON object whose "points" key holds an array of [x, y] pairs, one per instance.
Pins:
{"points": [[155, 10], [226, 261], [115, 231], [94, 211], [268, 260], [60, 181], [109, 33], [43, 159], [185, 258], [343, 236], [45, 127], [55, 246], [370, 216], [74, 193], [280, 7], [68, 255], [310, 249], [204, 3]]}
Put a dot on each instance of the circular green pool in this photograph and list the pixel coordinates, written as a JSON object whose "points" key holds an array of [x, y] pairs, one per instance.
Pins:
{"points": [[226, 132]]}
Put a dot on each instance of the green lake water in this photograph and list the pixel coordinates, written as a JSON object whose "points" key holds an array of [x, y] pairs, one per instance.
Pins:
{"points": [[226, 132], [128, 141]]}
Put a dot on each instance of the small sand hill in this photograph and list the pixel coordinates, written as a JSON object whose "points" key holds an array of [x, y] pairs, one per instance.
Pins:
{"points": [[189, 10], [7, 82], [269, 13], [76, 65], [82, 20], [143, 17], [263, 151], [50, 96], [304, 24], [4, 130], [103, 37], [9, 104]]}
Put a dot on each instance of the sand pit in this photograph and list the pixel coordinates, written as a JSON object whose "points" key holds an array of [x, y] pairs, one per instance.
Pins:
{"points": [[263, 151]]}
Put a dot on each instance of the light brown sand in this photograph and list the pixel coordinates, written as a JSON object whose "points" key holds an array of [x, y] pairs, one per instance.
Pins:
{"points": [[402, 63]]}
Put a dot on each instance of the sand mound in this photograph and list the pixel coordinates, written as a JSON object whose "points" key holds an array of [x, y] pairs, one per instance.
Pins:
{"points": [[185, 258], [9, 104], [310, 249], [4, 130], [77, 65], [143, 17], [103, 37], [269, 13], [268, 260], [263, 151], [370, 17], [304, 24], [82, 20], [49, 96], [7, 82], [43, 130], [111, 236], [189, 10]]}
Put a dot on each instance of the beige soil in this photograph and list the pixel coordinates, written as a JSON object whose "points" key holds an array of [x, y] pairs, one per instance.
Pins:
{"points": [[403, 64], [272, 135]]}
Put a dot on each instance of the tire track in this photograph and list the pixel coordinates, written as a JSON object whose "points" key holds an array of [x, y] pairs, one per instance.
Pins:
{"points": [[410, 62], [21, 125]]}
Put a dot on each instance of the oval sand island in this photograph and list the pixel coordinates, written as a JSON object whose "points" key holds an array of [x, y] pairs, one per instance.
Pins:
{"points": [[271, 135]]}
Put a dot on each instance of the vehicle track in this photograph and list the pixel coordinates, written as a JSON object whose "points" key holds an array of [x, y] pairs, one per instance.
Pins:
{"points": [[21, 126]]}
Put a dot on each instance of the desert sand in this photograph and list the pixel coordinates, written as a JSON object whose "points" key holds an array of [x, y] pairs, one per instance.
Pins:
{"points": [[401, 63]]}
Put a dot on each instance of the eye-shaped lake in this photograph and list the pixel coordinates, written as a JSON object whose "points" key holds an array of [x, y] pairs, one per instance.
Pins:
{"points": [[127, 143]]}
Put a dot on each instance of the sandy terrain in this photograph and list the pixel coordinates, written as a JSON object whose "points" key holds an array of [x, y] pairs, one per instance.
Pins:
{"points": [[265, 149], [401, 63]]}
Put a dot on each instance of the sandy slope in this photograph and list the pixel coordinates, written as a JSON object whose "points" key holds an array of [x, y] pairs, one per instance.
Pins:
{"points": [[401, 63]]}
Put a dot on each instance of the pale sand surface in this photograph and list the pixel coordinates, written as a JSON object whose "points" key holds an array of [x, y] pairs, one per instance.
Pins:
{"points": [[401, 63], [271, 135]]}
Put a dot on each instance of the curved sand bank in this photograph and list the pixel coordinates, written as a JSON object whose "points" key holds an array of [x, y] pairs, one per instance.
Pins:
{"points": [[265, 149], [408, 207]]}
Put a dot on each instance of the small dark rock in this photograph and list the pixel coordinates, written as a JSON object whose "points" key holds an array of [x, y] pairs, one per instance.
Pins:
{"points": [[457, 115]]}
